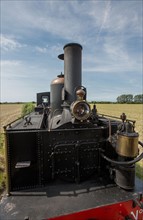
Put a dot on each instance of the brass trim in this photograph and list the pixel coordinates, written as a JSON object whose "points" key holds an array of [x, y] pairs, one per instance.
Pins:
{"points": [[127, 146], [74, 106]]}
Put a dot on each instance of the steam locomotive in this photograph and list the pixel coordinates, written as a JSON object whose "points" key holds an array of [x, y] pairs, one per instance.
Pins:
{"points": [[68, 140], [65, 138]]}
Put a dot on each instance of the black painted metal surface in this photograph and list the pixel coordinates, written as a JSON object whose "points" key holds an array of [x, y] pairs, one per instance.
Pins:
{"points": [[60, 198], [21, 124], [72, 70], [36, 157]]}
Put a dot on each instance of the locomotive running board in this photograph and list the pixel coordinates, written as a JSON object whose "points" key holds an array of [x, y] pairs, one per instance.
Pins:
{"points": [[60, 200], [131, 210]]}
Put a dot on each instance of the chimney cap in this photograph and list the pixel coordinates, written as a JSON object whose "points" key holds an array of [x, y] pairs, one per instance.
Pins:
{"points": [[72, 44]]}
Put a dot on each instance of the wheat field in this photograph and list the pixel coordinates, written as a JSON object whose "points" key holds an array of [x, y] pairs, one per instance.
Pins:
{"points": [[9, 113], [132, 111]]}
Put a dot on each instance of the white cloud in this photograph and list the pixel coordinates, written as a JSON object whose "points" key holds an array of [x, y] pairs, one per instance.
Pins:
{"points": [[82, 21], [9, 43], [50, 50], [106, 15], [7, 63], [116, 51], [108, 30], [117, 16], [20, 80], [12, 70], [41, 49], [19, 70]]}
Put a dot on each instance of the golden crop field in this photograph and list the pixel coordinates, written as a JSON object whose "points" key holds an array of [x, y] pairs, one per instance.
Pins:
{"points": [[8, 113], [132, 111]]}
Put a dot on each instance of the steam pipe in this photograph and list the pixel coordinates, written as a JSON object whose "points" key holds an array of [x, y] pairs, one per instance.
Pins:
{"points": [[124, 162]]}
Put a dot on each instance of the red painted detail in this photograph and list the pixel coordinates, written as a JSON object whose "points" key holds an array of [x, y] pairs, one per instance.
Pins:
{"points": [[118, 211]]}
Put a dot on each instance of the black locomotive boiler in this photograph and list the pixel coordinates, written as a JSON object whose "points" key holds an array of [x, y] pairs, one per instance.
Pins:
{"points": [[65, 139]]}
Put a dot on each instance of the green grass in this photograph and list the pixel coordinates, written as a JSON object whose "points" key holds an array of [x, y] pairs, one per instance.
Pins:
{"points": [[2, 181], [139, 171]]}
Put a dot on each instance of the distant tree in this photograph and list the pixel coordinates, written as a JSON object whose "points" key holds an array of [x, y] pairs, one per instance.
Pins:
{"points": [[125, 98], [138, 98], [120, 99], [129, 98]]}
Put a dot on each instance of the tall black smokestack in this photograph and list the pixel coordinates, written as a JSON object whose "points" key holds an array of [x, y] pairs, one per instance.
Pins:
{"points": [[72, 70]]}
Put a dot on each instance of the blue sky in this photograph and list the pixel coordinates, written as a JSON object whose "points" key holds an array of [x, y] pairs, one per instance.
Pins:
{"points": [[33, 34]]}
